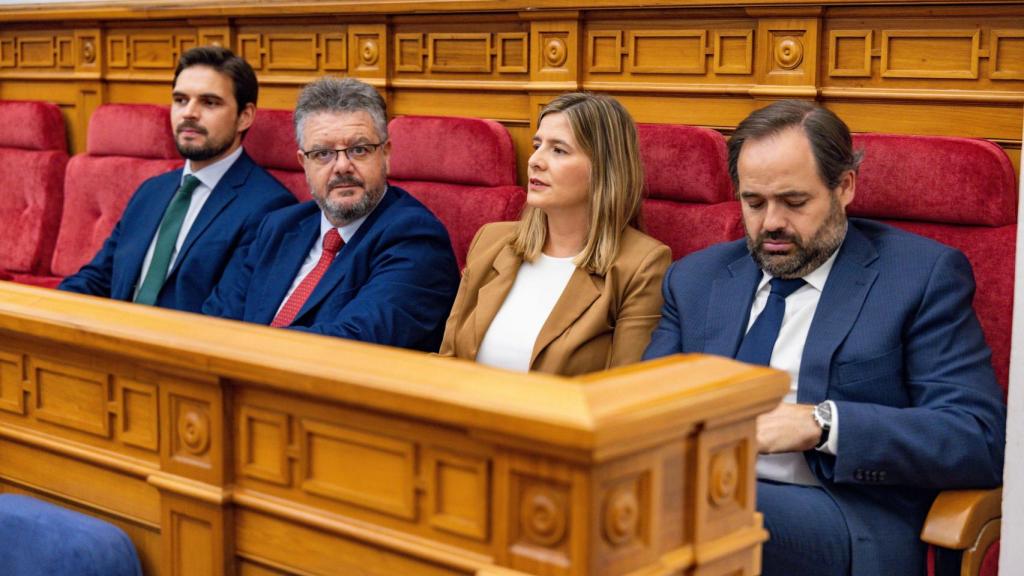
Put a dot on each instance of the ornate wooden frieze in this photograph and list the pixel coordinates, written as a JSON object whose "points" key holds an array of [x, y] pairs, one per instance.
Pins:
{"points": [[788, 51], [145, 53], [725, 492], [93, 405], [496, 52], [288, 50], [38, 51]]}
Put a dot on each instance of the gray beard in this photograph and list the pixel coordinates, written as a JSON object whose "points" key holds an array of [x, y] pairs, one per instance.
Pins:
{"points": [[341, 215]]}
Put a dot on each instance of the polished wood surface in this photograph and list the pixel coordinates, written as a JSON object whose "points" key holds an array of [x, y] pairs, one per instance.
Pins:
{"points": [[953, 68], [225, 448]]}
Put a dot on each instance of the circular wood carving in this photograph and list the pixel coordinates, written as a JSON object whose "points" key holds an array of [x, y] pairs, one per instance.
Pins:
{"points": [[555, 52], [789, 53], [88, 52], [621, 516], [194, 431], [542, 516], [725, 477], [369, 53]]}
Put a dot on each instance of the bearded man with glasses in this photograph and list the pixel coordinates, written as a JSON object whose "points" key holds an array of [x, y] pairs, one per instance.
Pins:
{"points": [[362, 260]]}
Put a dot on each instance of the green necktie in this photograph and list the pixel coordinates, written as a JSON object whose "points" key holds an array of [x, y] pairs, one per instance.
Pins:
{"points": [[166, 238]]}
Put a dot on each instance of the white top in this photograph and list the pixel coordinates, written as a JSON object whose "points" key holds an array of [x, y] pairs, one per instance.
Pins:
{"points": [[208, 177], [510, 338], [791, 467], [347, 232]]}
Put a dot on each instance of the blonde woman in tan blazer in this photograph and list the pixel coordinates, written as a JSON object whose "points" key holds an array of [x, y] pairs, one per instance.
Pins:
{"points": [[572, 287]]}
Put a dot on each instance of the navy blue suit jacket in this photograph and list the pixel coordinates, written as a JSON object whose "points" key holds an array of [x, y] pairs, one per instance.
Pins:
{"points": [[896, 345], [226, 224], [393, 283]]}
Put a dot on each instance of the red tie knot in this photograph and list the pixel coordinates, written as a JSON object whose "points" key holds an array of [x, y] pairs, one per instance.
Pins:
{"points": [[333, 241]]}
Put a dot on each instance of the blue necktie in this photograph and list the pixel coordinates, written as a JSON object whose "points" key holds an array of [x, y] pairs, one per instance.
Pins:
{"points": [[759, 342]]}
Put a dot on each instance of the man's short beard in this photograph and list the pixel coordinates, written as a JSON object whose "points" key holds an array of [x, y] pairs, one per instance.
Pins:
{"points": [[806, 257], [211, 149], [338, 214]]}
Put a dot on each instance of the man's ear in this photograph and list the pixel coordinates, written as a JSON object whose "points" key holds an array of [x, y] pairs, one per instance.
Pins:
{"points": [[301, 158], [246, 116], [847, 188], [386, 151]]}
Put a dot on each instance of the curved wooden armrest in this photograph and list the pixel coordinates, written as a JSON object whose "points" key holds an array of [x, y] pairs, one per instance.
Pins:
{"points": [[957, 516]]}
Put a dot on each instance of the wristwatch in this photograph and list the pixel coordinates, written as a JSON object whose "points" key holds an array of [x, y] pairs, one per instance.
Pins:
{"points": [[823, 416]]}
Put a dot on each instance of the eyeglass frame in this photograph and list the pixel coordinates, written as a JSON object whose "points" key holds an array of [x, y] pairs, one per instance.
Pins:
{"points": [[337, 151]]}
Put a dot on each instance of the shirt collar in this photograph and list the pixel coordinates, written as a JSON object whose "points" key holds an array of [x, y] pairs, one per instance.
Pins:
{"points": [[348, 230], [210, 176], [816, 278]]}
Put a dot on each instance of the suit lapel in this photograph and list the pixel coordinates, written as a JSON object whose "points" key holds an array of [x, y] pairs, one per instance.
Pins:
{"points": [[579, 294], [294, 247], [729, 307], [845, 290], [137, 237], [492, 295], [224, 194]]}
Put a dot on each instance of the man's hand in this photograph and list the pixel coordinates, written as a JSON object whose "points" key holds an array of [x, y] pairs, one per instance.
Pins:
{"points": [[787, 428]]}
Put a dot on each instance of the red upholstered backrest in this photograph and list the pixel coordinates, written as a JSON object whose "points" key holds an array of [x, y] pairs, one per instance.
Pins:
{"points": [[127, 143], [33, 155], [961, 192], [463, 169], [271, 144], [689, 203]]}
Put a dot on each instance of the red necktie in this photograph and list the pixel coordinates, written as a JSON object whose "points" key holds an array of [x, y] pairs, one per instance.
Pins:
{"points": [[332, 243]]}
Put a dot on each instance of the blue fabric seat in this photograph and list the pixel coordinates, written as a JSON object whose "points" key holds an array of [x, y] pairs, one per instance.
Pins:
{"points": [[40, 539]]}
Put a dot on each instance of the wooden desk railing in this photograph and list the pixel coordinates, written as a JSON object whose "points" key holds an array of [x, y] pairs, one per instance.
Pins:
{"points": [[224, 448]]}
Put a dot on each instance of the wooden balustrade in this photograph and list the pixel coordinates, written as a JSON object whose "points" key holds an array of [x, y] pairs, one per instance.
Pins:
{"points": [[226, 448], [909, 66]]}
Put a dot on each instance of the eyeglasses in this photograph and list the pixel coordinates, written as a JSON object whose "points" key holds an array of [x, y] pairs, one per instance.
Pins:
{"points": [[359, 152]]}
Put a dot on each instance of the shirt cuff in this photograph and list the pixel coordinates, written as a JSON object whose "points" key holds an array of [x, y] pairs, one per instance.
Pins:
{"points": [[831, 445]]}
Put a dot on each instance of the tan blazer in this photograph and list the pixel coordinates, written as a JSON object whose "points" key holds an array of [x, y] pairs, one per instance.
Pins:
{"points": [[598, 322]]}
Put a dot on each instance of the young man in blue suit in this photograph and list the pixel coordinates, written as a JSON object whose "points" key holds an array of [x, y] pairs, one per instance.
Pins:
{"points": [[363, 260], [893, 397], [180, 229]]}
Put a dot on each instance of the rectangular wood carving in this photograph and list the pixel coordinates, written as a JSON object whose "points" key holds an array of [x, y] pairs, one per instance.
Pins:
{"points": [[250, 47], [734, 51], [139, 413], [943, 54], [409, 52], [356, 467], [291, 51], [117, 51], [8, 59], [849, 53], [190, 544], [65, 52], [333, 49], [604, 51], [1006, 57], [70, 396], [668, 52], [461, 52], [36, 52], [264, 442], [153, 52], [513, 52], [12, 396], [458, 493]]}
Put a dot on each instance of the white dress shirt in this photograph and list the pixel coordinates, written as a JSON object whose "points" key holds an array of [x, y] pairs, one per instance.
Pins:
{"points": [[208, 177], [791, 467], [512, 334], [347, 232]]}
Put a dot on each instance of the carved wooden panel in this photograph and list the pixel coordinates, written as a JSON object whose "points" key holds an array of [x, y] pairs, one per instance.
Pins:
{"points": [[554, 52], [356, 467], [457, 492], [513, 52], [139, 412], [476, 54], [369, 55], [290, 50], [264, 442], [733, 51], [788, 51], [943, 54], [70, 396], [461, 52], [724, 489], [605, 51], [850, 53], [12, 396], [192, 422], [667, 52], [143, 51], [37, 51], [1006, 55]]}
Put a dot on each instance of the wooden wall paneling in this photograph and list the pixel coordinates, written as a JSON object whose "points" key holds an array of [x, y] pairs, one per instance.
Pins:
{"points": [[555, 51], [788, 65], [146, 54]]}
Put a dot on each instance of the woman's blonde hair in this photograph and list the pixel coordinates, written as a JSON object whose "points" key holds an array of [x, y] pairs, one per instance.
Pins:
{"points": [[605, 132]]}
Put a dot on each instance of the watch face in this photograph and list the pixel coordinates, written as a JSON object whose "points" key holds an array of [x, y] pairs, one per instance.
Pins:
{"points": [[823, 414]]}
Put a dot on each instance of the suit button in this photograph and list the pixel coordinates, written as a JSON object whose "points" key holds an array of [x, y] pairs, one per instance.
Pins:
{"points": [[858, 475], [881, 475]]}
